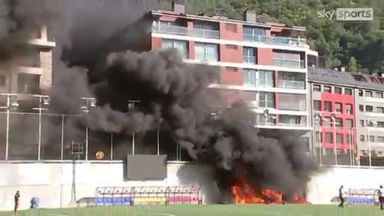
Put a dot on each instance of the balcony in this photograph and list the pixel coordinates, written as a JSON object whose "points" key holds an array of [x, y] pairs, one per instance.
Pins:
{"points": [[180, 30], [291, 84], [292, 124], [288, 63], [283, 41]]}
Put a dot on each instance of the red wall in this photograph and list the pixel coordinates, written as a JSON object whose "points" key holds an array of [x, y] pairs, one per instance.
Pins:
{"points": [[231, 53], [155, 43], [231, 77], [226, 32], [343, 99], [264, 56]]}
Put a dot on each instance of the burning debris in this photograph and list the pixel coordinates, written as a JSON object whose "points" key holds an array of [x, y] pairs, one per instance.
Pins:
{"points": [[175, 97]]}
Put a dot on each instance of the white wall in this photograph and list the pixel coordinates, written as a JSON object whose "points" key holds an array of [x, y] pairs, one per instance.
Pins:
{"points": [[324, 186]]}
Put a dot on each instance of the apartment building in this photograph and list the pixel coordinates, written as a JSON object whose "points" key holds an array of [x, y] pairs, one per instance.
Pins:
{"points": [[264, 64], [347, 117]]}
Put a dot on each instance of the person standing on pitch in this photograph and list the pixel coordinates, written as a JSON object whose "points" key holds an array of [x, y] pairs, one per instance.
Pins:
{"points": [[381, 196], [341, 197], [17, 197]]}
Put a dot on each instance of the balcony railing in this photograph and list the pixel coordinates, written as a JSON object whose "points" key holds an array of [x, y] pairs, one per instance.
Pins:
{"points": [[291, 84], [288, 63], [292, 124], [249, 59], [180, 30], [284, 41]]}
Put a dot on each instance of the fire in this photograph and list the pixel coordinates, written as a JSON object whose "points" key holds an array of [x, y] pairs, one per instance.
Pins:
{"points": [[243, 193]]}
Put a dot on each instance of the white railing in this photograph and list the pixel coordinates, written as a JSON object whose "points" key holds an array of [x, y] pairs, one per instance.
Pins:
{"points": [[180, 30], [284, 41], [288, 63], [291, 84]]}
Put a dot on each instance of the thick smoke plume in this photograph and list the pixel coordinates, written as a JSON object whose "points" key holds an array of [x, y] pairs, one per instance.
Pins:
{"points": [[104, 41]]}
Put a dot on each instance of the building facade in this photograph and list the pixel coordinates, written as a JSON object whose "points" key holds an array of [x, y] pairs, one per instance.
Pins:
{"points": [[264, 64], [347, 117]]}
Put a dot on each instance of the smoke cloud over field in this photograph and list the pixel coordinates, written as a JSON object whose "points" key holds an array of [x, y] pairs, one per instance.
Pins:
{"points": [[98, 47]]}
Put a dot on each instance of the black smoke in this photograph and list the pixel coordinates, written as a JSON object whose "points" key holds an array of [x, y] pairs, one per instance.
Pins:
{"points": [[104, 54]]}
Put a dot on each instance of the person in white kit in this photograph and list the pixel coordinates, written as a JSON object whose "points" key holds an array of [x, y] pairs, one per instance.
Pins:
{"points": [[381, 196]]}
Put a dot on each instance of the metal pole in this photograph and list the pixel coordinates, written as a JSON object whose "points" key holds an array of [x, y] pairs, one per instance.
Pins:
{"points": [[86, 143], [39, 145], [7, 127], [133, 143], [158, 142], [111, 146], [62, 138]]}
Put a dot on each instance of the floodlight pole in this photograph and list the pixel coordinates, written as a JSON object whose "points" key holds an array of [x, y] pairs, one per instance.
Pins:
{"points": [[7, 127]]}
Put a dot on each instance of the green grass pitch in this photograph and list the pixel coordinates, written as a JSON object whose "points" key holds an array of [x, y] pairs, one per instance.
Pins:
{"points": [[208, 210]]}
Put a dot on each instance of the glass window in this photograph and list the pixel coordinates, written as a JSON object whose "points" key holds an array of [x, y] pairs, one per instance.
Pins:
{"points": [[318, 136], [369, 108], [368, 93], [348, 108], [339, 122], [266, 78], [362, 123], [206, 52], [380, 124], [372, 138], [250, 77], [361, 93], [317, 105], [253, 34], [328, 89], [379, 94], [362, 138], [338, 90], [328, 137], [328, 106], [338, 107], [349, 123], [339, 138], [349, 139], [249, 55], [327, 121], [181, 46], [380, 109], [380, 139], [267, 99], [316, 88], [361, 108], [348, 91]]}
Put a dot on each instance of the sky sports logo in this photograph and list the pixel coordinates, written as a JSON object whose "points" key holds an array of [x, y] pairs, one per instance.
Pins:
{"points": [[347, 14]]}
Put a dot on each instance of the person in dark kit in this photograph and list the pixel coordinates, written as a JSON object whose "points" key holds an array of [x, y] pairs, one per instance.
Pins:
{"points": [[17, 197], [341, 197], [381, 196]]}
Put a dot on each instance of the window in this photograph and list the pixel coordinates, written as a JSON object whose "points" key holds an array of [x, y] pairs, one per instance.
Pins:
{"points": [[181, 46], [327, 121], [266, 78], [232, 47], [206, 52], [349, 123], [231, 27], [317, 105], [349, 139], [362, 123], [380, 139], [253, 34], [339, 122], [380, 124], [250, 77], [338, 90], [348, 91], [318, 137], [361, 93], [348, 109], [2, 80], [338, 107], [379, 94], [30, 57], [249, 55], [267, 99], [339, 138], [328, 89], [28, 83], [371, 138], [328, 106], [380, 109], [316, 88], [368, 93], [369, 108], [362, 138], [328, 137], [361, 108]]}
